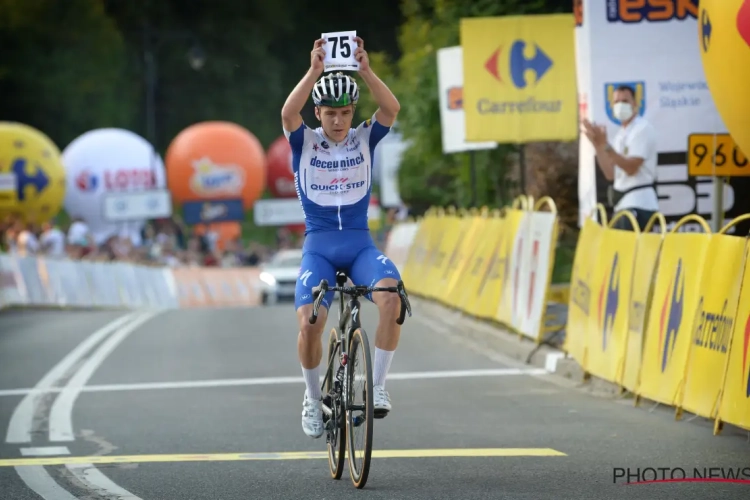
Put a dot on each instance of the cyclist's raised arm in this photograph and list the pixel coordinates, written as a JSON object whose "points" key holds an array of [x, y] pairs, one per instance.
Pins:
{"points": [[388, 106], [291, 117]]}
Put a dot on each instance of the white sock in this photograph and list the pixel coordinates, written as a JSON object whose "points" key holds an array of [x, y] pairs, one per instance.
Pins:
{"points": [[312, 382], [382, 365]]}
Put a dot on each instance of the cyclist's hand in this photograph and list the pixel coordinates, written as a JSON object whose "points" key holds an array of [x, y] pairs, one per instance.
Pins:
{"points": [[360, 54], [317, 55]]}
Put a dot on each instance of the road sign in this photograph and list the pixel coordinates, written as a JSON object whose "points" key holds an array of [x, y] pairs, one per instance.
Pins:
{"points": [[715, 154]]}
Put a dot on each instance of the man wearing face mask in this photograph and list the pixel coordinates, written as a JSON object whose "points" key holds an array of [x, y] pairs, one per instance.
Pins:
{"points": [[630, 162]]}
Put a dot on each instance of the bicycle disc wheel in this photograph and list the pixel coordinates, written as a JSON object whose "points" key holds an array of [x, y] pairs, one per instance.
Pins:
{"points": [[336, 435], [360, 414]]}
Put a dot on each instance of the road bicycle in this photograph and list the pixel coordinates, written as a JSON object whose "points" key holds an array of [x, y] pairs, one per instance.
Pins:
{"points": [[342, 414]]}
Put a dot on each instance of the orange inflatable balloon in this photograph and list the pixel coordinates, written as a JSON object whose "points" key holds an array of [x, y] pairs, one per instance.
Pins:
{"points": [[216, 161]]}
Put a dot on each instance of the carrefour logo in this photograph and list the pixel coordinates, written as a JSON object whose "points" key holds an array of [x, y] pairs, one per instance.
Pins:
{"points": [[514, 65], [609, 298], [671, 315], [518, 64], [334, 164]]}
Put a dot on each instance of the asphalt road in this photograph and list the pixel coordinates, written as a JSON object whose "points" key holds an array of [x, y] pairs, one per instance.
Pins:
{"points": [[213, 398]]}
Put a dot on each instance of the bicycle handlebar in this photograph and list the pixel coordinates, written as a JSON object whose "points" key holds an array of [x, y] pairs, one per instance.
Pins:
{"points": [[319, 293]]}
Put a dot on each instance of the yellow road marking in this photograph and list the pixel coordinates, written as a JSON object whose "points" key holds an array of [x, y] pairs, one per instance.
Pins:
{"points": [[293, 455]]}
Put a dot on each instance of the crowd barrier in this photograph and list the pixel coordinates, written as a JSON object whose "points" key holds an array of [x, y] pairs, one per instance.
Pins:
{"points": [[492, 264], [41, 281], [665, 315]]}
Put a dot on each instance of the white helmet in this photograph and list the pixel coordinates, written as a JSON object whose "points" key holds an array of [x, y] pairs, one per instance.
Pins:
{"points": [[335, 90]]}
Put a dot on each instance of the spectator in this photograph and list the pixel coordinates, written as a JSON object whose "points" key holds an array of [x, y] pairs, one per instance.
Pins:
{"points": [[52, 240], [630, 162]]}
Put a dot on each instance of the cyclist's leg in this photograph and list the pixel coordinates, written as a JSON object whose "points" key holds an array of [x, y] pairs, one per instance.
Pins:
{"points": [[371, 267], [314, 267]]}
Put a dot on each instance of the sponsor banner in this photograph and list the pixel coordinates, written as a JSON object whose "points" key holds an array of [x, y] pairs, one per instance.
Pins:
{"points": [[400, 240], [451, 91], [672, 320], [710, 339], [612, 285], [516, 227], [211, 211], [519, 78], [735, 396], [646, 257], [582, 284], [619, 42]]}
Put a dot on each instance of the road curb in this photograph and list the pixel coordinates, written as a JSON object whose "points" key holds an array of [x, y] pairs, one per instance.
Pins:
{"points": [[493, 336]]}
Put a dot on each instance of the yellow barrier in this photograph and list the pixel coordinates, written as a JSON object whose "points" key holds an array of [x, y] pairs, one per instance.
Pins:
{"points": [[494, 265], [612, 279], [647, 254], [581, 286], [734, 406], [709, 343], [671, 323], [665, 315]]}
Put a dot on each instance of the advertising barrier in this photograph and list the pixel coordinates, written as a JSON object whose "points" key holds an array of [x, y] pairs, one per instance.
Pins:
{"points": [[41, 281], [671, 325], [646, 257], [495, 265]]}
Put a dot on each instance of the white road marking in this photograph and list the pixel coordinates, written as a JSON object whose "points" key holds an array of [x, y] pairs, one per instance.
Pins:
{"points": [[60, 417], [45, 451], [19, 428], [200, 384], [97, 482], [36, 478]]}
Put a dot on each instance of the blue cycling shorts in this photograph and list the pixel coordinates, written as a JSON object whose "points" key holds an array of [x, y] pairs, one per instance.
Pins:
{"points": [[351, 251]]}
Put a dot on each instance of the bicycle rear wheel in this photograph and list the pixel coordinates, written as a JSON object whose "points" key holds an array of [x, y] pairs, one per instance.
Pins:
{"points": [[359, 414], [336, 434]]}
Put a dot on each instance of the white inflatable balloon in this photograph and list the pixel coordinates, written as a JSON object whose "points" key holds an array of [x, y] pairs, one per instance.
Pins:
{"points": [[103, 161]]}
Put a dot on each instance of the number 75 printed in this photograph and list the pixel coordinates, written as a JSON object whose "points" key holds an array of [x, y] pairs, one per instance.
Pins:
{"points": [[340, 51]]}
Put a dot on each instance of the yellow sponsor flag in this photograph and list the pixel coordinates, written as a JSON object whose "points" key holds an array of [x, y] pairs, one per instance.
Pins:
{"points": [[519, 78]]}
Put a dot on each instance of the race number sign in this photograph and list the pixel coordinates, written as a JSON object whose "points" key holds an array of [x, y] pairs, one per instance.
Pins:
{"points": [[339, 48]]}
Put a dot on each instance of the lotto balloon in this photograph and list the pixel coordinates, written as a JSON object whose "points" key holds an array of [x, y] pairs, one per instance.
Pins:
{"points": [[216, 161], [105, 161], [724, 37], [280, 174], [32, 177]]}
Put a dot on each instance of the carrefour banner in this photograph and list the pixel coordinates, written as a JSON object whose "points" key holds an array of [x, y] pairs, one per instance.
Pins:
{"points": [[651, 46], [519, 78]]}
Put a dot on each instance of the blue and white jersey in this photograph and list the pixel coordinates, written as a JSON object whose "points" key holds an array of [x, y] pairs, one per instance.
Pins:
{"points": [[334, 181]]}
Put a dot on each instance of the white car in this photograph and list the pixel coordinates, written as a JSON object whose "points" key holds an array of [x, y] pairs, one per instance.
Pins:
{"points": [[278, 277]]}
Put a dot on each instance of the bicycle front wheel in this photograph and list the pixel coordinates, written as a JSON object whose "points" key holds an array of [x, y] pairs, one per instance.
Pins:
{"points": [[359, 412], [335, 436]]}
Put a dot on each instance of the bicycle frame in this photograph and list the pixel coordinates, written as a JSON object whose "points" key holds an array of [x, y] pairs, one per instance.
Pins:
{"points": [[345, 331]]}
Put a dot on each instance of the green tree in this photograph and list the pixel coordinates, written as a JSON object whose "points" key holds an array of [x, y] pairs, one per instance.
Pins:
{"points": [[427, 176], [62, 68]]}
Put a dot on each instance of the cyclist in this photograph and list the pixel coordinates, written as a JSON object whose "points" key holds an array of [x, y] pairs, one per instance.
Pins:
{"points": [[332, 167]]}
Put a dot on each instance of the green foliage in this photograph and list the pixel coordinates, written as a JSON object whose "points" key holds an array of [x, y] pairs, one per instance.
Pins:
{"points": [[427, 176], [63, 67]]}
